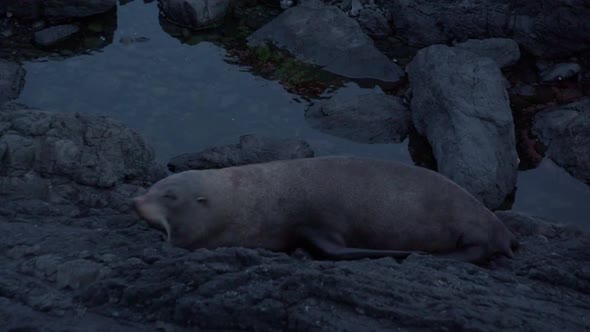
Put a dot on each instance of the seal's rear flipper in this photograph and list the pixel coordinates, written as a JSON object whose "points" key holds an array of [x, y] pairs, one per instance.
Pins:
{"points": [[322, 245]]}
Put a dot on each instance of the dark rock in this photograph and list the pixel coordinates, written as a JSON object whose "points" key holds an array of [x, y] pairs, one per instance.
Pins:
{"points": [[343, 48], [12, 80], [560, 71], [544, 28], [78, 273], [196, 14], [374, 22], [71, 159], [54, 34], [55, 10], [250, 150], [461, 105], [502, 50], [565, 130], [368, 118]]}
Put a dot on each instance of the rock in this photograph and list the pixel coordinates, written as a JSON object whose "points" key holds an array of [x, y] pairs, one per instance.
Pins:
{"points": [[78, 273], [12, 80], [250, 150], [196, 14], [502, 50], [560, 71], [565, 131], [343, 49], [367, 118], [374, 23], [461, 105], [545, 28], [66, 158], [55, 10], [54, 34]]}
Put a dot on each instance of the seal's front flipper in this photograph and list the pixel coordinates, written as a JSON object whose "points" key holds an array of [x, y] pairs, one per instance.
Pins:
{"points": [[328, 246]]}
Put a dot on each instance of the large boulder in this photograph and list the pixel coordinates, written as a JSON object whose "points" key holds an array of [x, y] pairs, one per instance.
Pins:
{"points": [[12, 80], [251, 149], [70, 159], [461, 106], [195, 14], [55, 9], [327, 37], [546, 28], [565, 130], [367, 118]]}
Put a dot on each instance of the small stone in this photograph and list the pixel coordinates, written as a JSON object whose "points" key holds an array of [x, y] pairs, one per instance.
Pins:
{"points": [[55, 34]]}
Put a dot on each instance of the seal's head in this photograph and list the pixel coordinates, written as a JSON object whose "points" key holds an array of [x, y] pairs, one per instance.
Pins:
{"points": [[171, 205]]}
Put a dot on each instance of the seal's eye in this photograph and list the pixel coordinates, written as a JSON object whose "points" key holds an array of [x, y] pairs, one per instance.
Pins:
{"points": [[170, 195]]}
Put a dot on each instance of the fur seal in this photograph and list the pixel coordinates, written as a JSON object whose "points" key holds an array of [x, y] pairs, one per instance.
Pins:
{"points": [[335, 207]]}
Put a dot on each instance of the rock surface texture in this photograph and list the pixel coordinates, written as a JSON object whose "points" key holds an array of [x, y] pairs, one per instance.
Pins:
{"points": [[327, 37], [461, 106], [565, 130], [367, 118], [250, 150], [74, 161], [546, 28]]}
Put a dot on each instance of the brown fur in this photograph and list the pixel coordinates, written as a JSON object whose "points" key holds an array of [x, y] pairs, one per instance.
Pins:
{"points": [[345, 206]]}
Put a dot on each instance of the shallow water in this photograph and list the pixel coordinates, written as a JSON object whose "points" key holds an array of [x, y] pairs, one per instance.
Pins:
{"points": [[185, 98]]}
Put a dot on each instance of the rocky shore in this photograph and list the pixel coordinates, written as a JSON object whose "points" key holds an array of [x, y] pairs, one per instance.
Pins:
{"points": [[76, 258]]}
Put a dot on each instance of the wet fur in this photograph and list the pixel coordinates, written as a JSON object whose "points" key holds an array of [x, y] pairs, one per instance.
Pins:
{"points": [[337, 204]]}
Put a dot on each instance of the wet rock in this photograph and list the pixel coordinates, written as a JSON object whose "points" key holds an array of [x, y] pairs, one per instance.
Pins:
{"points": [[343, 49], [545, 28], [367, 118], [374, 23], [54, 34], [55, 10], [502, 50], [560, 71], [70, 159], [12, 80], [196, 14], [250, 150], [461, 105], [565, 130]]}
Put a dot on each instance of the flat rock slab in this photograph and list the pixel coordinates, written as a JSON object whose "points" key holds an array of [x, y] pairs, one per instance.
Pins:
{"points": [[54, 34], [251, 149], [327, 37], [368, 118], [461, 106], [565, 130], [12, 80]]}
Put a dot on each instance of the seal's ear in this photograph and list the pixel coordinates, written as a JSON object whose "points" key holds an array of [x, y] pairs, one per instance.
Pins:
{"points": [[202, 200]]}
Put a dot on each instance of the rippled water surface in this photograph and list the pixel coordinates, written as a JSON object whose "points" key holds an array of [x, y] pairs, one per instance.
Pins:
{"points": [[184, 98]]}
